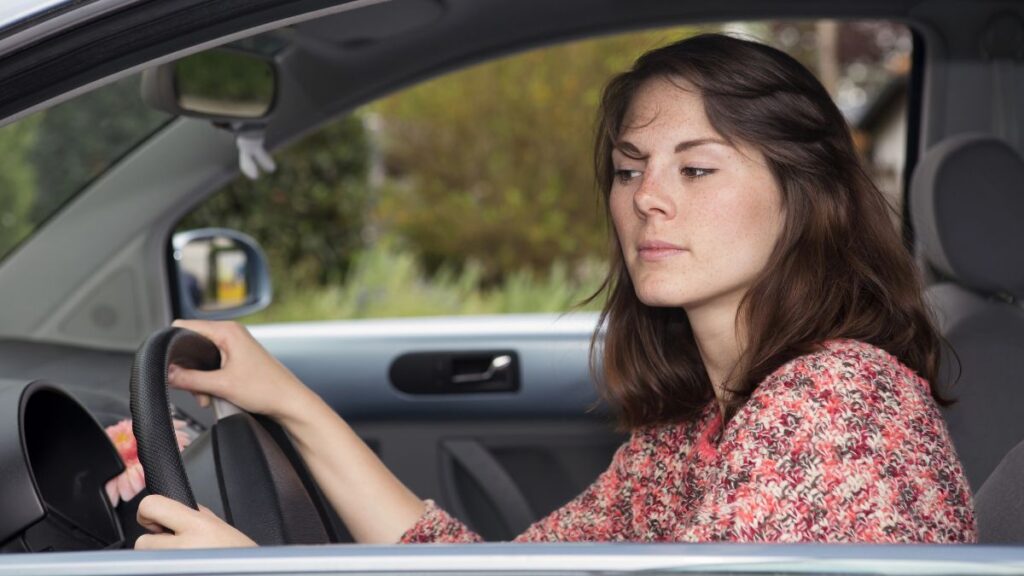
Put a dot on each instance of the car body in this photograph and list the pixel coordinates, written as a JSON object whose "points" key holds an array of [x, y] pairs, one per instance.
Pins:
{"points": [[94, 279]]}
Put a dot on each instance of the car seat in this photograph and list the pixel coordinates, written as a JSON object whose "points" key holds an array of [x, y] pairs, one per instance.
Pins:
{"points": [[967, 204]]}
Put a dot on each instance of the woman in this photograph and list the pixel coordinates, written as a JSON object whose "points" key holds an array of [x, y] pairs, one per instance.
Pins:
{"points": [[766, 340]]}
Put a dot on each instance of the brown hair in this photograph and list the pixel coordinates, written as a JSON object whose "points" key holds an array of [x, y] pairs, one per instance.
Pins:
{"points": [[838, 270]]}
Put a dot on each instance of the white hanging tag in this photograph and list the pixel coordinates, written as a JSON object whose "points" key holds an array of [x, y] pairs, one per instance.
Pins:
{"points": [[252, 156]]}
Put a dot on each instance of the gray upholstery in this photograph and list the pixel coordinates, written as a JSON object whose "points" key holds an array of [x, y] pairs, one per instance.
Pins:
{"points": [[967, 203], [988, 338], [1000, 502]]}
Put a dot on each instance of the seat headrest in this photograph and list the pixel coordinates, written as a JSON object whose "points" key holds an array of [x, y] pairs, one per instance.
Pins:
{"points": [[967, 205]]}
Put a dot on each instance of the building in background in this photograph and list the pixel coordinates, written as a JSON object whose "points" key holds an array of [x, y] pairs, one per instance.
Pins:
{"points": [[880, 132]]}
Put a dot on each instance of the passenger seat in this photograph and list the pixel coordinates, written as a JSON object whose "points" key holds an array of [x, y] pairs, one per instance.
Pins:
{"points": [[967, 204]]}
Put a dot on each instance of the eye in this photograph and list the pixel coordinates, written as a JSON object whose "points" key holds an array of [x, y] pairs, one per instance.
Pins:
{"points": [[625, 176], [693, 173]]}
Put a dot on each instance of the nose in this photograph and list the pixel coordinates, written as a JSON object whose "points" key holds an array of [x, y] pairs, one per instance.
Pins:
{"points": [[653, 197]]}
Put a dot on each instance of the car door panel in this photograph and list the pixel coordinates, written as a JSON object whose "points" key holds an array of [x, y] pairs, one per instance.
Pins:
{"points": [[498, 460]]}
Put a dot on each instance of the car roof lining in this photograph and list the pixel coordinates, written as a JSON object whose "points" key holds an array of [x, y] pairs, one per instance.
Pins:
{"points": [[462, 32], [348, 74]]}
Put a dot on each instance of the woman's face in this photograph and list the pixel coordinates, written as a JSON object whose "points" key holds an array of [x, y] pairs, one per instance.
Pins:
{"points": [[696, 217]]}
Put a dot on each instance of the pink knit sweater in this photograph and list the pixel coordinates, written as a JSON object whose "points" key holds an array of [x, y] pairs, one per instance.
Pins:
{"points": [[842, 445]]}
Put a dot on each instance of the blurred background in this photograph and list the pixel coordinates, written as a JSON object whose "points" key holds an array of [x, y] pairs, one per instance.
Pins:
{"points": [[469, 194]]}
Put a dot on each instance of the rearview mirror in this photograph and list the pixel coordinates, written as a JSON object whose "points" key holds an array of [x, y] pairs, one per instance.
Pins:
{"points": [[221, 274], [223, 85]]}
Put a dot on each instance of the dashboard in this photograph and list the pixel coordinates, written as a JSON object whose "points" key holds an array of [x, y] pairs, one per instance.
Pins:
{"points": [[55, 457]]}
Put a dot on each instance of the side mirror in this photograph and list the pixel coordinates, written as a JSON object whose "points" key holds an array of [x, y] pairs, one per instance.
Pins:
{"points": [[221, 274], [222, 84]]}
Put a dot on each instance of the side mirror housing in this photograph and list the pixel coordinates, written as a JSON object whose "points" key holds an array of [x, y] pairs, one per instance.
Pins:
{"points": [[223, 85], [219, 274]]}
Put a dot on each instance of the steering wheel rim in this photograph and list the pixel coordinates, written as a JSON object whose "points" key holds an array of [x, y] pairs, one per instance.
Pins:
{"points": [[256, 466], [150, 407]]}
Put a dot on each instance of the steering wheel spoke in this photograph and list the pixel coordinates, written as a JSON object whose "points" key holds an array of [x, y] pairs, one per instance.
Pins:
{"points": [[265, 489]]}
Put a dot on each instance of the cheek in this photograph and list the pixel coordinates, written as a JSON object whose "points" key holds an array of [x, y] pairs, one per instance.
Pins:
{"points": [[749, 224], [621, 207]]}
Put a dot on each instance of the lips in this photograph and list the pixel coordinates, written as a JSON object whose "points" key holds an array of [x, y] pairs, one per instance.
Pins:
{"points": [[654, 250]]}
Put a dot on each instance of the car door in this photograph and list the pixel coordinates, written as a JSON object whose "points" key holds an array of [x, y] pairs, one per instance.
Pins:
{"points": [[464, 364], [498, 449]]}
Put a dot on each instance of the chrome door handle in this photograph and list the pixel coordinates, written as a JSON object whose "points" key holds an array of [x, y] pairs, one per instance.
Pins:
{"points": [[498, 364]]}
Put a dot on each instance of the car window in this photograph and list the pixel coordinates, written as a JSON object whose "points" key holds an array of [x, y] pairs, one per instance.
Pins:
{"points": [[49, 157], [473, 193]]}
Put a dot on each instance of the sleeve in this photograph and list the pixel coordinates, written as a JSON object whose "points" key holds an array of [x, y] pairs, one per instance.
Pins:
{"points": [[437, 526], [837, 453], [600, 513]]}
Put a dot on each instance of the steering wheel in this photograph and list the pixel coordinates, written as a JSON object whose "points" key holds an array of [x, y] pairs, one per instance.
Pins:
{"points": [[265, 490]]}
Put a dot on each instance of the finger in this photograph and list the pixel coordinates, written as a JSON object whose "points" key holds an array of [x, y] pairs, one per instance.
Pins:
{"points": [[217, 332], [204, 511], [200, 326], [201, 381], [158, 513], [149, 526], [155, 542], [203, 327], [203, 400]]}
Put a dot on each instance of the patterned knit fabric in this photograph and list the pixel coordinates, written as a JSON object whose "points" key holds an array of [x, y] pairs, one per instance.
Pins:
{"points": [[842, 445]]}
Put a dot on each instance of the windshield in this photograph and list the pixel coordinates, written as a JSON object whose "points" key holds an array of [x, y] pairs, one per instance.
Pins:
{"points": [[49, 157]]}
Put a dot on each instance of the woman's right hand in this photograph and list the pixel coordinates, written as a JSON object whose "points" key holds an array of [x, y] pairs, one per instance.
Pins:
{"points": [[249, 377], [174, 525]]}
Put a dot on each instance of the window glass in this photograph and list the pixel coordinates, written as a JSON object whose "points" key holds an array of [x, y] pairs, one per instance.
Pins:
{"points": [[50, 156], [473, 193]]}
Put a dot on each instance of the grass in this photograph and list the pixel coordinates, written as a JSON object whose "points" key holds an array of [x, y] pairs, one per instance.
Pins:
{"points": [[387, 282]]}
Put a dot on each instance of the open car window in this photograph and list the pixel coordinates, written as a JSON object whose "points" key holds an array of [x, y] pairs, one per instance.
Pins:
{"points": [[49, 157], [473, 193]]}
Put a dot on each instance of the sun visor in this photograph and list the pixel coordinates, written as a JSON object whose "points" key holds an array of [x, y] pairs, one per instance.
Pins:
{"points": [[354, 29]]}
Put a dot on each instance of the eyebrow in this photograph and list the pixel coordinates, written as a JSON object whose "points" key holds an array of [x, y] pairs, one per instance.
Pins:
{"points": [[629, 149]]}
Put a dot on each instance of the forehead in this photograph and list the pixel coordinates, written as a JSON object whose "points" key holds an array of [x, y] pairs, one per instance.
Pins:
{"points": [[666, 104]]}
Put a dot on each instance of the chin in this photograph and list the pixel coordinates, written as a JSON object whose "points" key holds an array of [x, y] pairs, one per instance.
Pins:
{"points": [[662, 298]]}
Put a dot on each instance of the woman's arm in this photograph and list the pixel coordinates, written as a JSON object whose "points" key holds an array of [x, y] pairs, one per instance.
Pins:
{"points": [[375, 506], [601, 513]]}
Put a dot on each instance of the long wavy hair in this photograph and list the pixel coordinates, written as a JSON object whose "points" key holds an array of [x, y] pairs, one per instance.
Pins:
{"points": [[839, 269]]}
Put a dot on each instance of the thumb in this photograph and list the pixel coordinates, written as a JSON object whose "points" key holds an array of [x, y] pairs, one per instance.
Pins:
{"points": [[159, 514]]}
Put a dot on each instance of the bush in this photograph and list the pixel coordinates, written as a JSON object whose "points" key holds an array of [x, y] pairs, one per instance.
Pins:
{"points": [[386, 281]]}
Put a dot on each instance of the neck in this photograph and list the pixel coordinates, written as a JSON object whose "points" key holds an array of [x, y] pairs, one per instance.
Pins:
{"points": [[714, 330]]}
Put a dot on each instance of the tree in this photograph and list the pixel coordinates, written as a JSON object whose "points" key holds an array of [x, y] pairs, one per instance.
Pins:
{"points": [[494, 164], [17, 183], [48, 157], [309, 215], [81, 138]]}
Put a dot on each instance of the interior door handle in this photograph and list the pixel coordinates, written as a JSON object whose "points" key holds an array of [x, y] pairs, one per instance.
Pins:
{"points": [[498, 364], [456, 372]]}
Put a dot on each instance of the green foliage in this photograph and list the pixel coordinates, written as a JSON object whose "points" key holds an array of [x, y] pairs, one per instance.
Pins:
{"points": [[226, 76], [389, 282], [494, 164], [81, 138], [309, 215], [485, 202], [48, 157], [17, 182]]}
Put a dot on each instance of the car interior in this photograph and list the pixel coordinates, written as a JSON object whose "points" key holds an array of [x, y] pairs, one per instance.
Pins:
{"points": [[494, 417]]}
